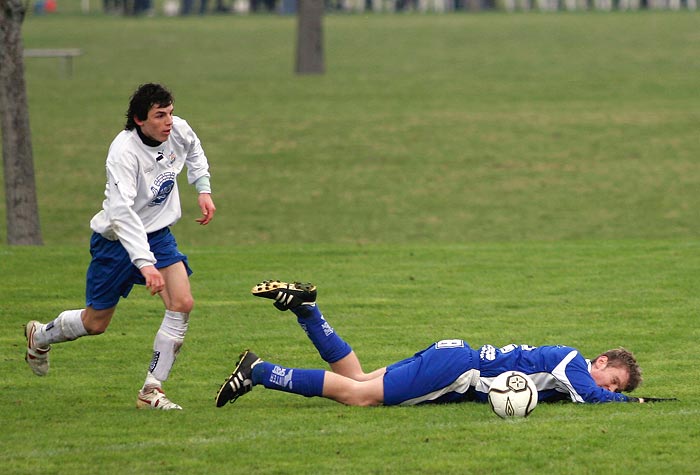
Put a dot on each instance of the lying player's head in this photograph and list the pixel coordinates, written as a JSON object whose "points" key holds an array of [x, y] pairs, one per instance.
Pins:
{"points": [[145, 97], [617, 367]]}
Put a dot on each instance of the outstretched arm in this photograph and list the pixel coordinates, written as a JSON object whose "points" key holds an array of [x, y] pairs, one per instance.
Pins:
{"points": [[651, 399]]}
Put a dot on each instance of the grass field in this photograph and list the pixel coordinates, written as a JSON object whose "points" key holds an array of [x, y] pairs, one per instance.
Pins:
{"points": [[501, 178]]}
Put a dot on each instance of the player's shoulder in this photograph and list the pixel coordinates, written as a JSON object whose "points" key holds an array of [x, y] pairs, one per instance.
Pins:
{"points": [[124, 140], [568, 351], [558, 348], [560, 352], [182, 131], [177, 120], [180, 124], [123, 136]]}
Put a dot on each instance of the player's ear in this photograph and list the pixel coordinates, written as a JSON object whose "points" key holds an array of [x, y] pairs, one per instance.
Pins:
{"points": [[601, 362]]}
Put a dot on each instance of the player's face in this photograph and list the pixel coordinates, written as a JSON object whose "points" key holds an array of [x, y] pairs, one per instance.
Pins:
{"points": [[612, 378], [158, 124]]}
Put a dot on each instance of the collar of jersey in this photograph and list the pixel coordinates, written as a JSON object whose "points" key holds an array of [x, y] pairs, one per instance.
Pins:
{"points": [[147, 140]]}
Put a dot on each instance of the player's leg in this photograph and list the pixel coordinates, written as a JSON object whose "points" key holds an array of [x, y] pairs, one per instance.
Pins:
{"points": [[330, 346], [67, 326], [178, 301], [108, 278], [96, 321], [251, 371], [350, 367], [354, 393], [333, 349], [300, 299], [177, 294], [314, 382]]}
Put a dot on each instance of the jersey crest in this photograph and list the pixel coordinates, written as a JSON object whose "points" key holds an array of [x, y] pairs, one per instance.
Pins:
{"points": [[162, 187]]}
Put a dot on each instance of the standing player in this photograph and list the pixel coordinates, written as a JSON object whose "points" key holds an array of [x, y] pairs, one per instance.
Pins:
{"points": [[446, 371], [131, 241]]}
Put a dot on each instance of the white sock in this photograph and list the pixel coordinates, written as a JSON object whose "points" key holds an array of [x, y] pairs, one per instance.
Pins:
{"points": [[166, 346], [66, 327], [151, 382]]}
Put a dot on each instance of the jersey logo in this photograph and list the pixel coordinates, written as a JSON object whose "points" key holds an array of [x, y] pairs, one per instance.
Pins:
{"points": [[162, 186], [161, 156]]}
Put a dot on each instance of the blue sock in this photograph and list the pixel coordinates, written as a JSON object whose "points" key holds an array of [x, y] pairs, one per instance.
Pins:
{"points": [[306, 382], [330, 346]]}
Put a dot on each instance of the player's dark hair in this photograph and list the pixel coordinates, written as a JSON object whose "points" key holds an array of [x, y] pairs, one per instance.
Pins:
{"points": [[622, 358], [145, 97]]}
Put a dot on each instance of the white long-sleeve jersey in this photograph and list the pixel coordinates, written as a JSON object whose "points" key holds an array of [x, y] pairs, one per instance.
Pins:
{"points": [[141, 194]]}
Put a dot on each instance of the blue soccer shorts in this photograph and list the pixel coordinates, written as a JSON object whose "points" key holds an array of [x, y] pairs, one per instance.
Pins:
{"points": [[111, 275], [443, 372]]}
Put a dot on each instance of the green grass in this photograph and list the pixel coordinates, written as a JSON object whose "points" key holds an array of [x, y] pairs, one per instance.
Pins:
{"points": [[500, 178], [387, 301], [424, 129]]}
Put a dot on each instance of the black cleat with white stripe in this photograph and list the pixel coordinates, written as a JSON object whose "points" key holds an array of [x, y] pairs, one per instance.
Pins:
{"points": [[240, 381], [286, 295]]}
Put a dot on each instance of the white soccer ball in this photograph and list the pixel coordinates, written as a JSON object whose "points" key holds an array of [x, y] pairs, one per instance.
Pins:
{"points": [[513, 394]]}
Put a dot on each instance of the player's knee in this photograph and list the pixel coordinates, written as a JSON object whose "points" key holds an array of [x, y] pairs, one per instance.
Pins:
{"points": [[95, 327], [364, 401], [96, 322], [363, 394], [183, 304]]}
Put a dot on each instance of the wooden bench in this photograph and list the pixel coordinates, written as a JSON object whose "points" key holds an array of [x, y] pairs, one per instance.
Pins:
{"points": [[67, 54]]}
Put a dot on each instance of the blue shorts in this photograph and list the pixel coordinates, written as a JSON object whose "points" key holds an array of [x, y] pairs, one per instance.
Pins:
{"points": [[440, 373], [111, 275]]}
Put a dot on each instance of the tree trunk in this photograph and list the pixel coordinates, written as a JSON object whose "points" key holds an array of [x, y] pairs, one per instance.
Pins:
{"points": [[20, 191], [310, 37]]}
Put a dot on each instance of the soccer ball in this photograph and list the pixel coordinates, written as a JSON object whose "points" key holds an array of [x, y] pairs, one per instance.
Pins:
{"points": [[513, 394]]}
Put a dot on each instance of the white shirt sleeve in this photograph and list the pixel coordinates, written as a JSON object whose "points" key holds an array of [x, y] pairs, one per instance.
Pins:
{"points": [[118, 219], [196, 161]]}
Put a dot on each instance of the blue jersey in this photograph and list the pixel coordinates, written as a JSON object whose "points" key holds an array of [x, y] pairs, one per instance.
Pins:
{"points": [[451, 371], [556, 370]]}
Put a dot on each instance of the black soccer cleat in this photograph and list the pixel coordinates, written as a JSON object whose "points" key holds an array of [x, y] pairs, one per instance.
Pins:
{"points": [[240, 381], [286, 295]]}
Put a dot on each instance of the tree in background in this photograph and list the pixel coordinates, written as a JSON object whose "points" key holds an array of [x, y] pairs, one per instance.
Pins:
{"points": [[310, 37], [20, 189]]}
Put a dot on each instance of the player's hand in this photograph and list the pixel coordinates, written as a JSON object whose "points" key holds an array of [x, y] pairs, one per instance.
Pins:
{"points": [[207, 206], [154, 279]]}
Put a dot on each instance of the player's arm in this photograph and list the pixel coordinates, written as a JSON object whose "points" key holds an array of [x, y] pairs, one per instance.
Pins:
{"points": [[574, 373], [154, 279], [125, 223], [206, 204], [123, 219], [198, 172], [651, 399]]}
